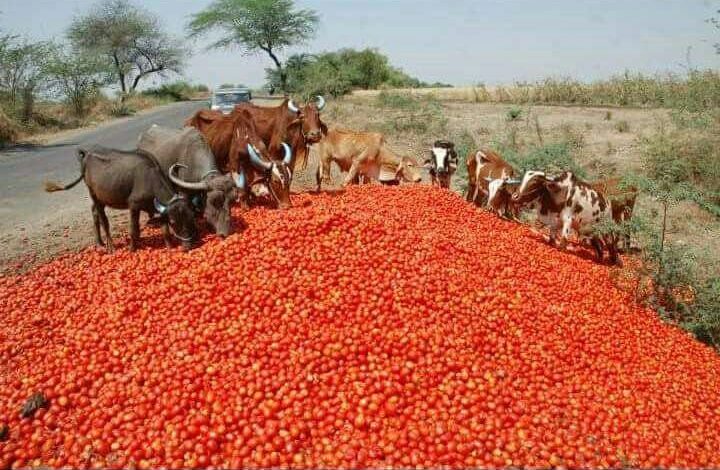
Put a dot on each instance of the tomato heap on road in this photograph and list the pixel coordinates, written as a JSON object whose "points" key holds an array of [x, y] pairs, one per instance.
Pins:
{"points": [[380, 327]]}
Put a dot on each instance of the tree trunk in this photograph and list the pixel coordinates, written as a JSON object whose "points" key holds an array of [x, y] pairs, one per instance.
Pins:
{"points": [[280, 68], [28, 102], [121, 77]]}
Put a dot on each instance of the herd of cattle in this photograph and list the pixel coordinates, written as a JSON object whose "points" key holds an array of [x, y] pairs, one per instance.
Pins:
{"points": [[250, 156]]}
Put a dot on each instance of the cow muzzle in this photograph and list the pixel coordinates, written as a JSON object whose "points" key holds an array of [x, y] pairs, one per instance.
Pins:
{"points": [[313, 137]]}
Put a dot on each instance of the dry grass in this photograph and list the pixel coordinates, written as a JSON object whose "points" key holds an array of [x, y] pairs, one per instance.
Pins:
{"points": [[49, 118]]}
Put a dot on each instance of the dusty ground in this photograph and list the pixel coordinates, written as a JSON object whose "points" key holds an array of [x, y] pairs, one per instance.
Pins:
{"points": [[604, 147]]}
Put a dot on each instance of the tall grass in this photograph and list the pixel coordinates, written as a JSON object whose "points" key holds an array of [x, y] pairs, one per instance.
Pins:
{"points": [[696, 91]]}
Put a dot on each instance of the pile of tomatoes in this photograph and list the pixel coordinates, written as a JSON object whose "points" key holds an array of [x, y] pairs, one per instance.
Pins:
{"points": [[383, 327]]}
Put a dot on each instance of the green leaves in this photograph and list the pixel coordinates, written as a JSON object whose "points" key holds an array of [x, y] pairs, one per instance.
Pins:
{"points": [[256, 26], [130, 39]]}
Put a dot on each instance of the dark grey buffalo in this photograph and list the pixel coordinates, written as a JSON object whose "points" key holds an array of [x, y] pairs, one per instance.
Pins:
{"points": [[132, 180], [185, 156]]}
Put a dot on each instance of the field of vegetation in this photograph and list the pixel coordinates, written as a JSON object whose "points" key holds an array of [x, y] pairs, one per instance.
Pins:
{"points": [[671, 153]]}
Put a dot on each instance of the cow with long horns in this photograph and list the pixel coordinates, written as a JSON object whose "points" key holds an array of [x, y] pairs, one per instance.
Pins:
{"points": [[240, 150], [298, 125]]}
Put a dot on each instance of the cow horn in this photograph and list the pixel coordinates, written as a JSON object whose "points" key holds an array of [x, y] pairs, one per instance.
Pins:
{"points": [[256, 160], [320, 101], [292, 107], [239, 179], [159, 206], [488, 179], [288, 154], [199, 186], [513, 181]]}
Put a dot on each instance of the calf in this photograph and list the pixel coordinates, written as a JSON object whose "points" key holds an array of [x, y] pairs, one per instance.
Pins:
{"points": [[363, 155], [565, 203], [500, 193], [442, 163], [484, 166], [132, 180]]}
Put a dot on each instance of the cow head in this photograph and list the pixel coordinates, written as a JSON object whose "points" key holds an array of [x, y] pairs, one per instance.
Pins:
{"points": [[500, 191], [308, 116], [531, 187], [219, 193], [276, 174], [442, 162], [181, 217], [408, 170]]}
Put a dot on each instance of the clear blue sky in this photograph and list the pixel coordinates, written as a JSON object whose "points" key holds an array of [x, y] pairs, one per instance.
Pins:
{"points": [[456, 41]]}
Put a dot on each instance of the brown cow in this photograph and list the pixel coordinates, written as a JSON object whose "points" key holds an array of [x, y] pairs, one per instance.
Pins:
{"points": [[299, 126], [235, 142], [363, 155], [484, 166]]}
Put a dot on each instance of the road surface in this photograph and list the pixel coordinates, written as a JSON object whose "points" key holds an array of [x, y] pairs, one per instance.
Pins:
{"points": [[33, 221]]}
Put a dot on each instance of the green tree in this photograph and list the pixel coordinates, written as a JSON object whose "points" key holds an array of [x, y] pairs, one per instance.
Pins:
{"points": [[256, 26], [130, 39], [21, 72], [338, 72], [77, 76]]}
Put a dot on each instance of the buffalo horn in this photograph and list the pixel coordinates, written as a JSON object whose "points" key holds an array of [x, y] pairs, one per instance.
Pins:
{"points": [[199, 186]]}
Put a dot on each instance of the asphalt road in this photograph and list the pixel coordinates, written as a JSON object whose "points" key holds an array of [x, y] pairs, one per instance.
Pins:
{"points": [[26, 210]]}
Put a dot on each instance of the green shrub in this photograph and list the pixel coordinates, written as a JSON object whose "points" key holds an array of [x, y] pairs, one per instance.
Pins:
{"points": [[176, 91], [403, 101], [550, 158], [514, 114]]}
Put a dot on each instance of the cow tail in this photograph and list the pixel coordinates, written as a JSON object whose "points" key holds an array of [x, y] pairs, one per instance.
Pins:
{"points": [[52, 186]]}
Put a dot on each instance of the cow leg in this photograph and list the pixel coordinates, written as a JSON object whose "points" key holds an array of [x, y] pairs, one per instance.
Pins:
{"points": [[470, 192], [96, 224], [598, 248], [565, 232], [614, 256], [106, 227], [318, 178], [352, 173], [134, 228]]}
